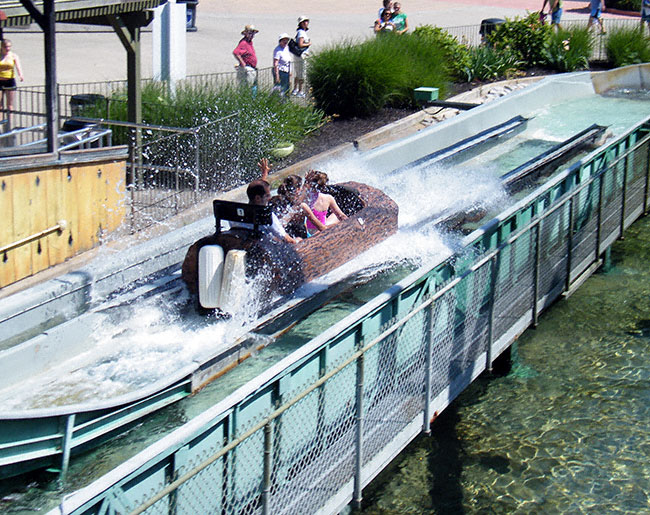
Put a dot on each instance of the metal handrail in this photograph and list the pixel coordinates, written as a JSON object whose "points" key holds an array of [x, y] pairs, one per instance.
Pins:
{"points": [[59, 227]]}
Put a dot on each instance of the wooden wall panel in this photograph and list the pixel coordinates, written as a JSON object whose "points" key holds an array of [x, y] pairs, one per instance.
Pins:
{"points": [[57, 243], [22, 254], [7, 236], [37, 212], [90, 198], [115, 199]]}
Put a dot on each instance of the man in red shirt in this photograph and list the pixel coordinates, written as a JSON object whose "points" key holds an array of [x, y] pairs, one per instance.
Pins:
{"points": [[246, 58]]}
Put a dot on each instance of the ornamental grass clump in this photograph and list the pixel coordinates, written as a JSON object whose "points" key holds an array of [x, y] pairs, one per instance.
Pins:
{"points": [[356, 79], [627, 46], [487, 63], [569, 50]]}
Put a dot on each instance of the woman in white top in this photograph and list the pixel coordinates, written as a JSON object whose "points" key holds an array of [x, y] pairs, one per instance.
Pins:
{"points": [[303, 41], [282, 64]]}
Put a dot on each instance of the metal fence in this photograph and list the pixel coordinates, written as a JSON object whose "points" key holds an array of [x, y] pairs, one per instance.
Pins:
{"points": [[309, 434], [171, 169]]}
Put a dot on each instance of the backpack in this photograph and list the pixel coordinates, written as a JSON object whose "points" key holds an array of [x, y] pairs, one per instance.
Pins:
{"points": [[295, 49]]}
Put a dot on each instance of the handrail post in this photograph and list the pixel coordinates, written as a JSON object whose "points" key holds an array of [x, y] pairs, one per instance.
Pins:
{"points": [[647, 179], [426, 423], [268, 468], [66, 444], [624, 196], [569, 263], [496, 261], [357, 496], [538, 238], [599, 226]]}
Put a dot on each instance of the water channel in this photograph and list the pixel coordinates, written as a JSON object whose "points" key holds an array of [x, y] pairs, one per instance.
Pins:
{"points": [[161, 330]]}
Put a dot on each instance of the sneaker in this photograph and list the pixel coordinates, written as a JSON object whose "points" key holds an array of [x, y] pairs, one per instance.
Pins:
{"points": [[300, 94], [294, 92]]}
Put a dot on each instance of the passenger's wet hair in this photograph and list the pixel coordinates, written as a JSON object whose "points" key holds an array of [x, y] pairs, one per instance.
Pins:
{"points": [[290, 185], [316, 179], [257, 188]]}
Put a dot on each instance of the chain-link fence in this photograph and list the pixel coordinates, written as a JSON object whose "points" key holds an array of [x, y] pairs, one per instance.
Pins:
{"points": [[307, 438]]}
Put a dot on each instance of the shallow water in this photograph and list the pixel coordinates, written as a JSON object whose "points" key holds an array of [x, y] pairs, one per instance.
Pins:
{"points": [[565, 431]]}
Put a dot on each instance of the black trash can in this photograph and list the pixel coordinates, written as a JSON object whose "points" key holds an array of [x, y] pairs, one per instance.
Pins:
{"points": [[73, 124], [80, 102], [191, 14], [488, 26]]}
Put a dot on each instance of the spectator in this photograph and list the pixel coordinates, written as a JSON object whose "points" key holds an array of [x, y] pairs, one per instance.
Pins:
{"points": [[282, 64], [399, 19], [303, 42], [9, 66], [595, 15], [645, 14], [387, 6], [555, 10], [384, 23], [246, 58]]}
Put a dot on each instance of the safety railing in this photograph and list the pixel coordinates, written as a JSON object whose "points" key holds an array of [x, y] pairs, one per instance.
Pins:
{"points": [[309, 434]]}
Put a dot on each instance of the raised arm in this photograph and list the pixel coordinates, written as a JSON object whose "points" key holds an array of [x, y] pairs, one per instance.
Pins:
{"points": [[265, 168]]}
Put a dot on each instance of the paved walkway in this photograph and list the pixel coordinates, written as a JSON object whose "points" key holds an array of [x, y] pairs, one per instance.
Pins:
{"points": [[90, 56]]}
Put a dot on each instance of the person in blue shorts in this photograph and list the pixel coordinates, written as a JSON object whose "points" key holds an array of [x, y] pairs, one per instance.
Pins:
{"points": [[555, 9], [645, 14], [595, 15]]}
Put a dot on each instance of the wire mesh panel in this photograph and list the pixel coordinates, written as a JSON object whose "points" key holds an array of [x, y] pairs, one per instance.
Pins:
{"points": [[514, 287]]}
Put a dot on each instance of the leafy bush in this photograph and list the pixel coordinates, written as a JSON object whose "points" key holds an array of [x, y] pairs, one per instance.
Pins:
{"points": [[569, 50], [457, 55], [625, 5], [627, 46], [525, 37], [487, 63], [356, 79]]}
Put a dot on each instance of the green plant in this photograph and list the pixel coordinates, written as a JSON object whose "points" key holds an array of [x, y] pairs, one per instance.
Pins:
{"points": [[356, 79], [627, 46], [525, 37], [457, 55], [569, 50], [486, 63], [625, 5]]}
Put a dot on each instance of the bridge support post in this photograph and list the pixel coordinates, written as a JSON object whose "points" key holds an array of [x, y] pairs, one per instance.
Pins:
{"points": [[358, 485]]}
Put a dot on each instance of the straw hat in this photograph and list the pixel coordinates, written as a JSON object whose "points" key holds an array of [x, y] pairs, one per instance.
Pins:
{"points": [[284, 35], [302, 18], [249, 28]]}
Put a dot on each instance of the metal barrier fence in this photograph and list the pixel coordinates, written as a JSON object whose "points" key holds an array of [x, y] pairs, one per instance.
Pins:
{"points": [[171, 169], [307, 435]]}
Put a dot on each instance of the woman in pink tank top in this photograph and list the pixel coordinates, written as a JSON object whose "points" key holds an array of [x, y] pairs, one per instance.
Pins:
{"points": [[317, 204]]}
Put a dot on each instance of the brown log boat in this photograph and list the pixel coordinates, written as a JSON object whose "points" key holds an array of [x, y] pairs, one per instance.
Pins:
{"points": [[214, 262]]}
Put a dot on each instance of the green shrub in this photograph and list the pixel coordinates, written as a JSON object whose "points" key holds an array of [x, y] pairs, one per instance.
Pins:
{"points": [[525, 37], [627, 46], [356, 79], [487, 63], [456, 54], [569, 50], [625, 5]]}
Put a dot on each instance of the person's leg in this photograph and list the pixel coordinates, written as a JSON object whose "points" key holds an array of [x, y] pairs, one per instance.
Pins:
{"points": [[10, 103]]}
